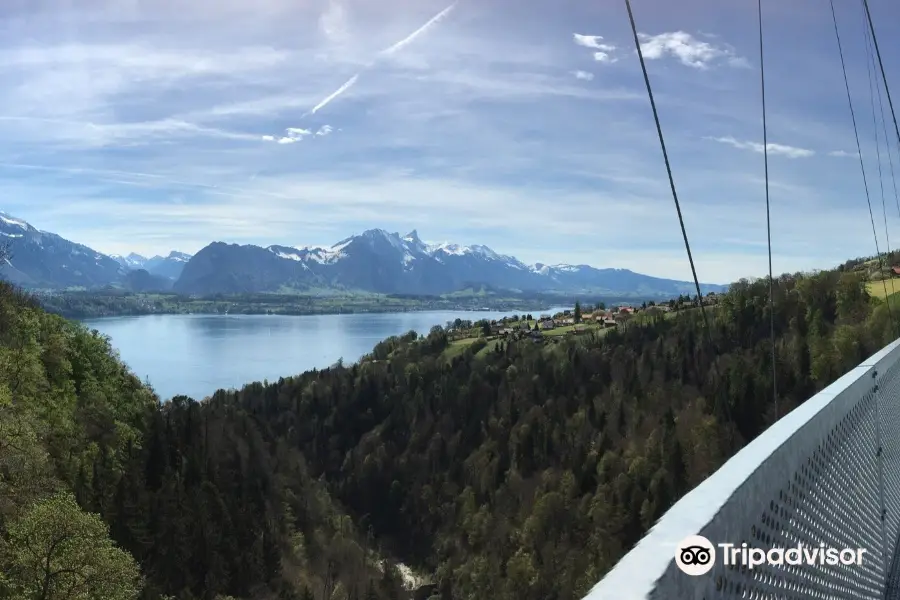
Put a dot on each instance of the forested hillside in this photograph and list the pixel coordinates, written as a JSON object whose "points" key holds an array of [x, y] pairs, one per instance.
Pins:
{"points": [[522, 472], [106, 494], [526, 472]]}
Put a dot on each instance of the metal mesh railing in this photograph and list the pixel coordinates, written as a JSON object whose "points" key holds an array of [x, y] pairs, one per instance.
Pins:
{"points": [[827, 475]]}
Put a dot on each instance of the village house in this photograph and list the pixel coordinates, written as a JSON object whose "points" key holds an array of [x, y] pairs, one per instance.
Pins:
{"points": [[711, 299]]}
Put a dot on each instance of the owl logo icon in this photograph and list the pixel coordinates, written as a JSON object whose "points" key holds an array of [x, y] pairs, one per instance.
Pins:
{"points": [[695, 555]]}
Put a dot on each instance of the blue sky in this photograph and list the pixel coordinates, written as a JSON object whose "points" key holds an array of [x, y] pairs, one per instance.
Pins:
{"points": [[151, 125]]}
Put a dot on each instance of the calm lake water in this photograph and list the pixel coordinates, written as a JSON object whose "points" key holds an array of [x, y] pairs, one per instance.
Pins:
{"points": [[196, 355]]}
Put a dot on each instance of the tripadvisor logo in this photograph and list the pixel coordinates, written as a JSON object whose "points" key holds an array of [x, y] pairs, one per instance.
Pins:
{"points": [[696, 555]]}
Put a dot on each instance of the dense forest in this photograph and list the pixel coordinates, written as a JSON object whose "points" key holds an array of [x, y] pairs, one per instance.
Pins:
{"points": [[90, 304], [524, 472]]}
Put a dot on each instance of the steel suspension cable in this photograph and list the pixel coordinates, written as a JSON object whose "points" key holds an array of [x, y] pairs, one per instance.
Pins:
{"points": [[887, 141], [862, 165], [762, 79], [887, 89], [869, 70], [662, 143]]}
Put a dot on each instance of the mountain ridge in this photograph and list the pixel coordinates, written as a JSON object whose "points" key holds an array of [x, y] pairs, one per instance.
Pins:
{"points": [[167, 267], [380, 261], [374, 261]]}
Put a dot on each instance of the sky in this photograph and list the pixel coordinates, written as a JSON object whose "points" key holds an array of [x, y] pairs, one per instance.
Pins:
{"points": [[154, 125]]}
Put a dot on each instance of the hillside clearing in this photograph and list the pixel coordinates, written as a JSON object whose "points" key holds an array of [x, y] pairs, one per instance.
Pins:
{"points": [[876, 288]]}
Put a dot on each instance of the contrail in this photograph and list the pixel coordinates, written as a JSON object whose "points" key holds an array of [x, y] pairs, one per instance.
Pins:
{"points": [[386, 52], [347, 85], [408, 39]]}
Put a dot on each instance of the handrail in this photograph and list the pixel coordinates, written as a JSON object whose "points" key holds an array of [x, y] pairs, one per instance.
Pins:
{"points": [[815, 477]]}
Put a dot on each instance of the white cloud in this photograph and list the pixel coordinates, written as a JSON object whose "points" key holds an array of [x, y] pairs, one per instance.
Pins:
{"points": [[687, 49], [169, 125], [592, 41], [311, 209], [843, 154], [603, 51], [292, 135], [776, 149], [333, 22]]}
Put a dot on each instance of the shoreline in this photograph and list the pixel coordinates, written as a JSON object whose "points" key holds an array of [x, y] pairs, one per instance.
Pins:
{"points": [[82, 305]]}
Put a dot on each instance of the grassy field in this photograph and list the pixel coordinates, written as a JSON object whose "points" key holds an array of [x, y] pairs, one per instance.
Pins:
{"points": [[876, 288], [457, 347]]}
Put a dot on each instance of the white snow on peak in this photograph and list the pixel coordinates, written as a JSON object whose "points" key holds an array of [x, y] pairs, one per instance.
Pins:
{"points": [[392, 238], [448, 248], [486, 252], [476, 249], [543, 269], [178, 256], [312, 253], [13, 221], [567, 268], [339, 246], [413, 238], [410, 247], [289, 256]]}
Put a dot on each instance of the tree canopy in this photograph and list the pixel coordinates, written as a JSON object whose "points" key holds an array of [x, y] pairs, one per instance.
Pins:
{"points": [[512, 470]]}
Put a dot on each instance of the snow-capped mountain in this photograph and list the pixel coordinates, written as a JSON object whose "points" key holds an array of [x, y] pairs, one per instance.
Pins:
{"points": [[41, 259], [168, 267], [132, 261], [374, 261], [379, 261]]}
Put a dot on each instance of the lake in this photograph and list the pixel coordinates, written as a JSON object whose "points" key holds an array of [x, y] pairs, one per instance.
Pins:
{"points": [[196, 355]]}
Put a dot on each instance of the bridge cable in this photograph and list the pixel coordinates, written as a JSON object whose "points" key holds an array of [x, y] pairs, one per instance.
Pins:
{"points": [[869, 70], [887, 88], [861, 163], [762, 78], [665, 153], [887, 141]]}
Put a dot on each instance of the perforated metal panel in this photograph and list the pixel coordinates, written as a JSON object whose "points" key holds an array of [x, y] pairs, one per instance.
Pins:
{"points": [[889, 404], [827, 474]]}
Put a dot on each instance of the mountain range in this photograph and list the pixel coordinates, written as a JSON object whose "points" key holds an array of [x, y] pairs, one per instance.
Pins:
{"points": [[373, 261], [169, 267]]}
